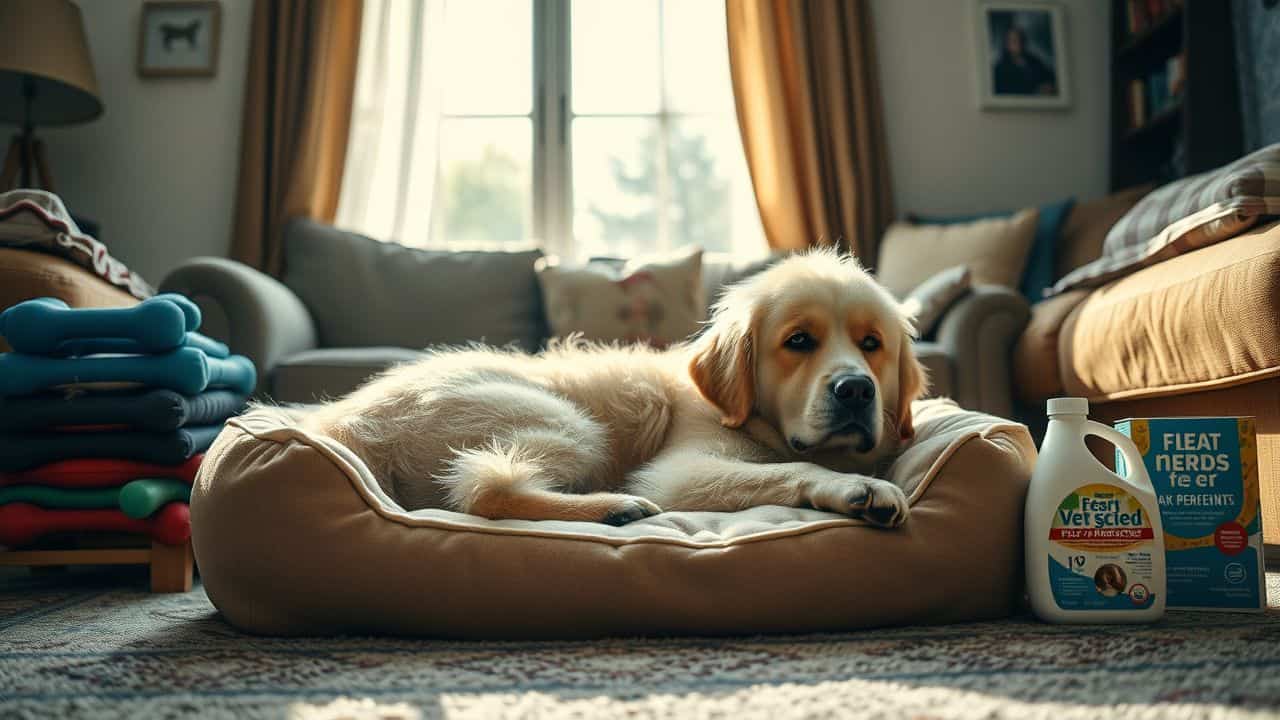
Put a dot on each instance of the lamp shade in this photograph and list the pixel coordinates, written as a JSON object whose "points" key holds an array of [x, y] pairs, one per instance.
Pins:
{"points": [[43, 42]]}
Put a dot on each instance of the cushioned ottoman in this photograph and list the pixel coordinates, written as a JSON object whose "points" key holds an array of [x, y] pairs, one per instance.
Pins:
{"points": [[294, 536]]}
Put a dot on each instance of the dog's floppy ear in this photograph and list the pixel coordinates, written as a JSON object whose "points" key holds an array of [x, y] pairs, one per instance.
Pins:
{"points": [[723, 367], [912, 383]]}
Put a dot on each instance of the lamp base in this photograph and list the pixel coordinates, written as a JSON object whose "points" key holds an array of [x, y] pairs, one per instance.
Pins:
{"points": [[26, 152]]}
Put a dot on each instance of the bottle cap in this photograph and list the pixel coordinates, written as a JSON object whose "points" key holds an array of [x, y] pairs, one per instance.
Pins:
{"points": [[1068, 406]]}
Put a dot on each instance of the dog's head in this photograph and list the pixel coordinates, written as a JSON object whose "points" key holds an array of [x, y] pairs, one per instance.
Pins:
{"points": [[817, 349]]}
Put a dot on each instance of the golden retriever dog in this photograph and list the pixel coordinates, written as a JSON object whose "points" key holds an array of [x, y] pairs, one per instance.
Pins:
{"points": [[797, 394]]}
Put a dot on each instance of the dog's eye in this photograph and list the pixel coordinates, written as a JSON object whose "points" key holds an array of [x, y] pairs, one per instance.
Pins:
{"points": [[801, 342], [870, 343]]}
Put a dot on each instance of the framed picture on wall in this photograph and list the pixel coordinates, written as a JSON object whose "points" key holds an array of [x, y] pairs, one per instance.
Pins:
{"points": [[177, 38], [1022, 55]]}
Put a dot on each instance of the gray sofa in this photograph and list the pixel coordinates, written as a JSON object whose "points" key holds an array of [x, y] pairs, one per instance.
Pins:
{"points": [[348, 306]]}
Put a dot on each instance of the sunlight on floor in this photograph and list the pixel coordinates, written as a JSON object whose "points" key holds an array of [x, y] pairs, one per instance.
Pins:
{"points": [[352, 709]]}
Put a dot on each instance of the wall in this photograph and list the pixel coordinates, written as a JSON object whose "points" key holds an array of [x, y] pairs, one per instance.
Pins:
{"points": [[947, 155], [158, 169], [1258, 57]]}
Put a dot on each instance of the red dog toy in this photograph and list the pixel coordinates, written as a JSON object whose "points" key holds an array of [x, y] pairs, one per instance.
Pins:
{"points": [[22, 523]]}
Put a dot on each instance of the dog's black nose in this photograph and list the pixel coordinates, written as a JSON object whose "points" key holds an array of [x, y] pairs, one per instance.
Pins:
{"points": [[853, 391]]}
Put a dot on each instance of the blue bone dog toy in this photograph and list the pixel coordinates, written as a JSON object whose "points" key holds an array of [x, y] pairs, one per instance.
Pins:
{"points": [[153, 343], [47, 326]]}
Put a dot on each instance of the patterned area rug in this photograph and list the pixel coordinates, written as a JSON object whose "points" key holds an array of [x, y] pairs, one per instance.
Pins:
{"points": [[75, 646]]}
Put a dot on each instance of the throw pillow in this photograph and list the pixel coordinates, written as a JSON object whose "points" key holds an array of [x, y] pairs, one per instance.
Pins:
{"points": [[1185, 215], [995, 250], [931, 299], [1038, 276], [658, 302]]}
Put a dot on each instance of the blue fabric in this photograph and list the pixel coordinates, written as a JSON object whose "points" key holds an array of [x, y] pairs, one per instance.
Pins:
{"points": [[1038, 274], [23, 451], [155, 410], [185, 370]]}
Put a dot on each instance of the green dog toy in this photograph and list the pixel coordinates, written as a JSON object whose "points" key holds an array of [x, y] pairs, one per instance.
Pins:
{"points": [[138, 499]]}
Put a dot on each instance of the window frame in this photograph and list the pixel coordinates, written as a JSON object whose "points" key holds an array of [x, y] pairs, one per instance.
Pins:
{"points": [[552, 150], [551, 115]]}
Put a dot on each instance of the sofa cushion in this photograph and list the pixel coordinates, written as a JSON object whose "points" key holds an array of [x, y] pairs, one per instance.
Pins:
{"points": [[316, 375], [1201, 320], [1191, 213], [1036, 374], [994, 249], [1087, 225], [362, 292]]}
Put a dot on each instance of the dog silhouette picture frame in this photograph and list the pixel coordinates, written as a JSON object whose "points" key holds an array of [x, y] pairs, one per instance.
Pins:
{"points": [[179, 38]]}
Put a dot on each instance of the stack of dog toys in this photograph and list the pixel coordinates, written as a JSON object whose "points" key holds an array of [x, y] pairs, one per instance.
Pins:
{"points": [[104, 414]]}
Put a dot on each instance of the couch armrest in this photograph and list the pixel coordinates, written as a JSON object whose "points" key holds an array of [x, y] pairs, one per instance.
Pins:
{"points": [[253, 313], [978, 334]]}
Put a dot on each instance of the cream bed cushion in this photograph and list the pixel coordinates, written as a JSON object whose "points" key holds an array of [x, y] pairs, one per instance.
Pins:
{"points": [[293, 536]]}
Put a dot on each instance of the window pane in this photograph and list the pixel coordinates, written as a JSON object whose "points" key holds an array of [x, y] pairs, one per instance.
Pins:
{"points": [[489, 46], [697, 56], [711, 200], [615, 56], [485, 182], [615, 185]]}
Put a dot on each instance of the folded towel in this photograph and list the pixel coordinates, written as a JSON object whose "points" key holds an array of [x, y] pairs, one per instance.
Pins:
{"points": [[152, 410], [186, 370], [100, 472], [22, 523], [21, 451], [137, 499]]}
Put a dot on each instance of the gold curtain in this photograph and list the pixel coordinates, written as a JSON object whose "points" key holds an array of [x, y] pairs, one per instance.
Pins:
{"points": [[297, 114], [808, 98]]}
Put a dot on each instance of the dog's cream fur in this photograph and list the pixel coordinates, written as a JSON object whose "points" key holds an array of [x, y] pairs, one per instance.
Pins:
{"points": [[730, 420]]}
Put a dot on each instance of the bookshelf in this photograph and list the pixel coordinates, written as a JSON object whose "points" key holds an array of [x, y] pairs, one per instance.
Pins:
{"points": [[1175, 97]]}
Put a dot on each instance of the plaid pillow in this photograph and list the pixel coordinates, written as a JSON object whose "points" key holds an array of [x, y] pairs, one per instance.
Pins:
{"points": [[1185, 215]]}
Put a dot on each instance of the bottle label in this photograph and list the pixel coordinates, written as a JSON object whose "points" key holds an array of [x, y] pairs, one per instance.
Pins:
{"points": [[1101, 551]]}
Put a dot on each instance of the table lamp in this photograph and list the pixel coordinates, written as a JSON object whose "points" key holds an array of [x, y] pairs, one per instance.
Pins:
{"points": [[46, 78]]}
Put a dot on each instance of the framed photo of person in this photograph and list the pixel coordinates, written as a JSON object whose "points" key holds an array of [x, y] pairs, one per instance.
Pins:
{"points": [[179, 38], [1022, 55]]}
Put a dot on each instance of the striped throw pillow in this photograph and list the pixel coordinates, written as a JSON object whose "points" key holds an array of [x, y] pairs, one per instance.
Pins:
{"points": [[1185, 215]]}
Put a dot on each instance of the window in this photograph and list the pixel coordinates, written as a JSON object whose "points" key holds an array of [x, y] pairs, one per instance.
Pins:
{"points": [[593, 127]]}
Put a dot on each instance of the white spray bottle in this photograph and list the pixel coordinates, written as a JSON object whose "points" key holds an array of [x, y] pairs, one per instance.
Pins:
{"points": [[1094, 542]]}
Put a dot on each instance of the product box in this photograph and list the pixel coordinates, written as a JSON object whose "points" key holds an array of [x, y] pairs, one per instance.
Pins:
{"points": [[1205, 473]]}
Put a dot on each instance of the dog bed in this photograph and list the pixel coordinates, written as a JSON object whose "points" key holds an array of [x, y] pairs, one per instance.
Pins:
{"points": [[294, 536]]}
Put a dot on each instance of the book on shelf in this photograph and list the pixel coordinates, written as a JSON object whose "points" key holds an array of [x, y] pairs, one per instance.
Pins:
{"points": [[1176, 67], [1159, 91], [1137, 105]]}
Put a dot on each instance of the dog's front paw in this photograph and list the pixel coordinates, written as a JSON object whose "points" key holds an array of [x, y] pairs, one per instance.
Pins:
{"points": [[879, 503], [628, 509]]}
